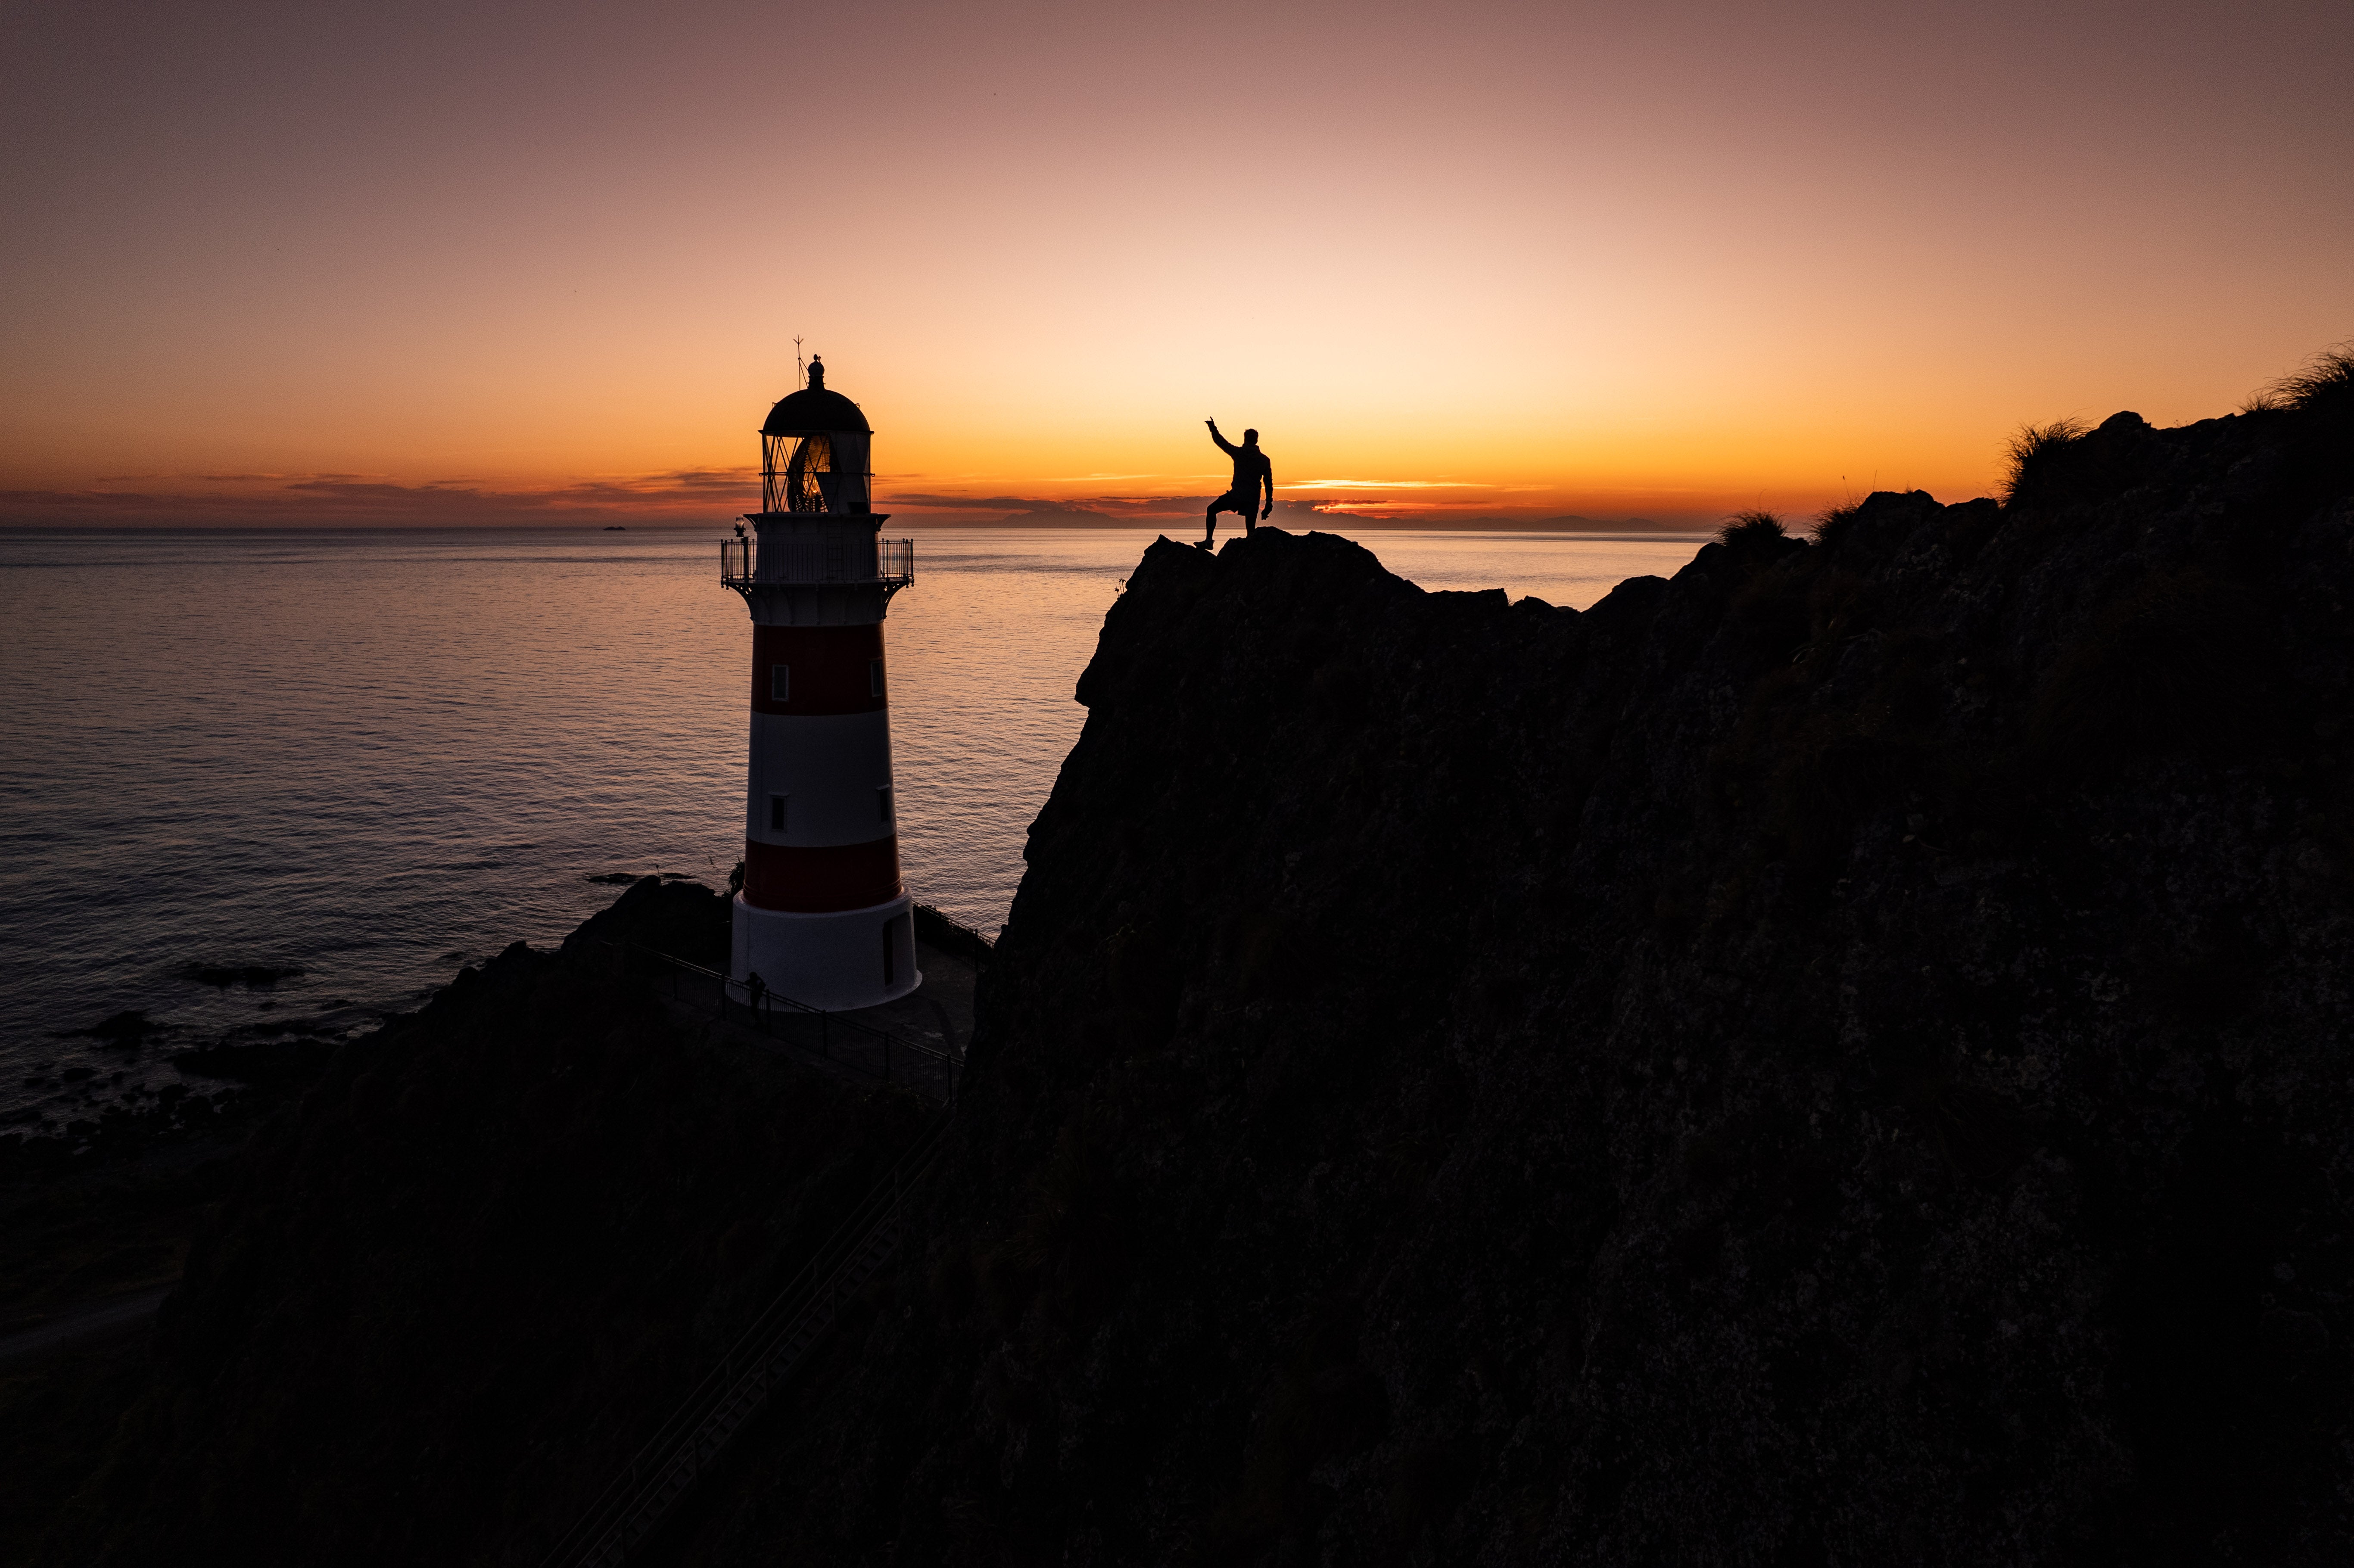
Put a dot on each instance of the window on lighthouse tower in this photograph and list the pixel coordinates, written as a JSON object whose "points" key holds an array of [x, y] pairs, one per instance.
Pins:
{"points": [[797, 473], [875, 676], [810, 477], [780, 683]]}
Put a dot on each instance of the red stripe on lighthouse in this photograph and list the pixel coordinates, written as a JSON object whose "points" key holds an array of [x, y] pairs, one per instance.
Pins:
{"points": [[832, 669], [820, 881]]}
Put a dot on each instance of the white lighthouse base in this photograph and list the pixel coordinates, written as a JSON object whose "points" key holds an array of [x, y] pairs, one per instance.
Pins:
{"points": [[837, 962]]}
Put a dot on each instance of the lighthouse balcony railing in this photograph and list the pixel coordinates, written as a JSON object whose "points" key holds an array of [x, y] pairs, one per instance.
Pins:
{"points": [[891, 562]]}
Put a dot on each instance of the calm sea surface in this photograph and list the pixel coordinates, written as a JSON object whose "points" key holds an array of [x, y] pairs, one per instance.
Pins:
{"points": [[376, 756]]}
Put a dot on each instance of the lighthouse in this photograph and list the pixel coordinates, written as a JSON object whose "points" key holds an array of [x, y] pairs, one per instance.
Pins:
{"points": [[823, 919]]}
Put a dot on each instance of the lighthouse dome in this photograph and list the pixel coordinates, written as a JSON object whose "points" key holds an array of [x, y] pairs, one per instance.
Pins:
{"points": [[813, 408]]}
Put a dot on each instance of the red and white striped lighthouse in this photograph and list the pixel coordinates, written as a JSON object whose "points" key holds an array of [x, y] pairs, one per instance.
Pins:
{"points": [[822, 917]]}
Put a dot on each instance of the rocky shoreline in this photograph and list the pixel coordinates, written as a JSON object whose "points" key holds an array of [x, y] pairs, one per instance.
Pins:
{"points": [[162, 1196], [171, 1061], [142, 1076]]}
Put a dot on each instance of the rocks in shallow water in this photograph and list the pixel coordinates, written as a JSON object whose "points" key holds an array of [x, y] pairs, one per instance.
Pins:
{"points": [[126, 1029], [250, 976], [273, 1062]]}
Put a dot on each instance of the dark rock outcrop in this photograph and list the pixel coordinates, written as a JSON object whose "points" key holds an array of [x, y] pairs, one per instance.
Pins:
{"points": [[1842, 1055], [126, 1029], [683, 919], [449, 1295]]}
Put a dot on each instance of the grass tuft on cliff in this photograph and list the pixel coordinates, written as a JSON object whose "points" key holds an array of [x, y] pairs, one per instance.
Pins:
{"points": [[2035, 450], [1832, 522], [2326, 384], [1752, 529]]}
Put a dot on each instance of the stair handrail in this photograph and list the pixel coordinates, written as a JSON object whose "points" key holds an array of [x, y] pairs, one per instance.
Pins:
{"points": [[622, 1501]]}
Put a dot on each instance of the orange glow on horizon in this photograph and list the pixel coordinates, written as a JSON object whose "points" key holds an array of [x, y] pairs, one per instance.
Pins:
{"points": [[531, 266]]}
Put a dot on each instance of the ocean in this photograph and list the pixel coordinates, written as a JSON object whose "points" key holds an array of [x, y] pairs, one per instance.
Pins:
{"points": [[369, 757]]}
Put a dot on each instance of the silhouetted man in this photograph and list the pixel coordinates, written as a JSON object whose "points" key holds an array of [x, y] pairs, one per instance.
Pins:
{"points": [[1251, 472]]}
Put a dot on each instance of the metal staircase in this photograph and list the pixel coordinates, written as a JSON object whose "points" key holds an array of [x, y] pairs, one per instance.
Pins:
{"points": [[636, 1501]]}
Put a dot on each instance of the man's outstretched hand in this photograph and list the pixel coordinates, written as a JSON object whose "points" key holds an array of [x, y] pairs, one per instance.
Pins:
{"points": [[1212, 423]]}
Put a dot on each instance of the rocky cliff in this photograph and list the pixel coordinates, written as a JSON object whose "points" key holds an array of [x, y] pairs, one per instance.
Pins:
{"points": [[1841, 1056]]}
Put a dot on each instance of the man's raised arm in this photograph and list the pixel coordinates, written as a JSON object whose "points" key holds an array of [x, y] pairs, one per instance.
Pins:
{"points": [[1224, 445]]}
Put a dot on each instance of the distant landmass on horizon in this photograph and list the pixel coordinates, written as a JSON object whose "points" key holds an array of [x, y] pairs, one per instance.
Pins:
{"points": [[1291, 517]]}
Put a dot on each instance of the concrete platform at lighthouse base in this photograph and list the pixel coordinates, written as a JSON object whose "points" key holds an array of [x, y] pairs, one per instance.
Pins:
{"points": [[838, 961], [936, 1017]]}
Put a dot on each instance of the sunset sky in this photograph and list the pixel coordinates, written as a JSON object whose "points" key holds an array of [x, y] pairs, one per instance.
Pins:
{"points": [[412, 262]]}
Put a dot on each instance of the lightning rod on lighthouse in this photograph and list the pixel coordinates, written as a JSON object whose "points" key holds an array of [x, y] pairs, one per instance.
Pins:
{"points": [[822, 917]]}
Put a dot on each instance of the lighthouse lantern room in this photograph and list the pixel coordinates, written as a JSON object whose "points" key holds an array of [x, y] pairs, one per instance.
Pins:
{"points": [[823, 919]]}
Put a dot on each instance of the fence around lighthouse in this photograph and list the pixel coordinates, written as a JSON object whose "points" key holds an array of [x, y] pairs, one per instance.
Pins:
{"points": [[827, 558], [844, 1041]]}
